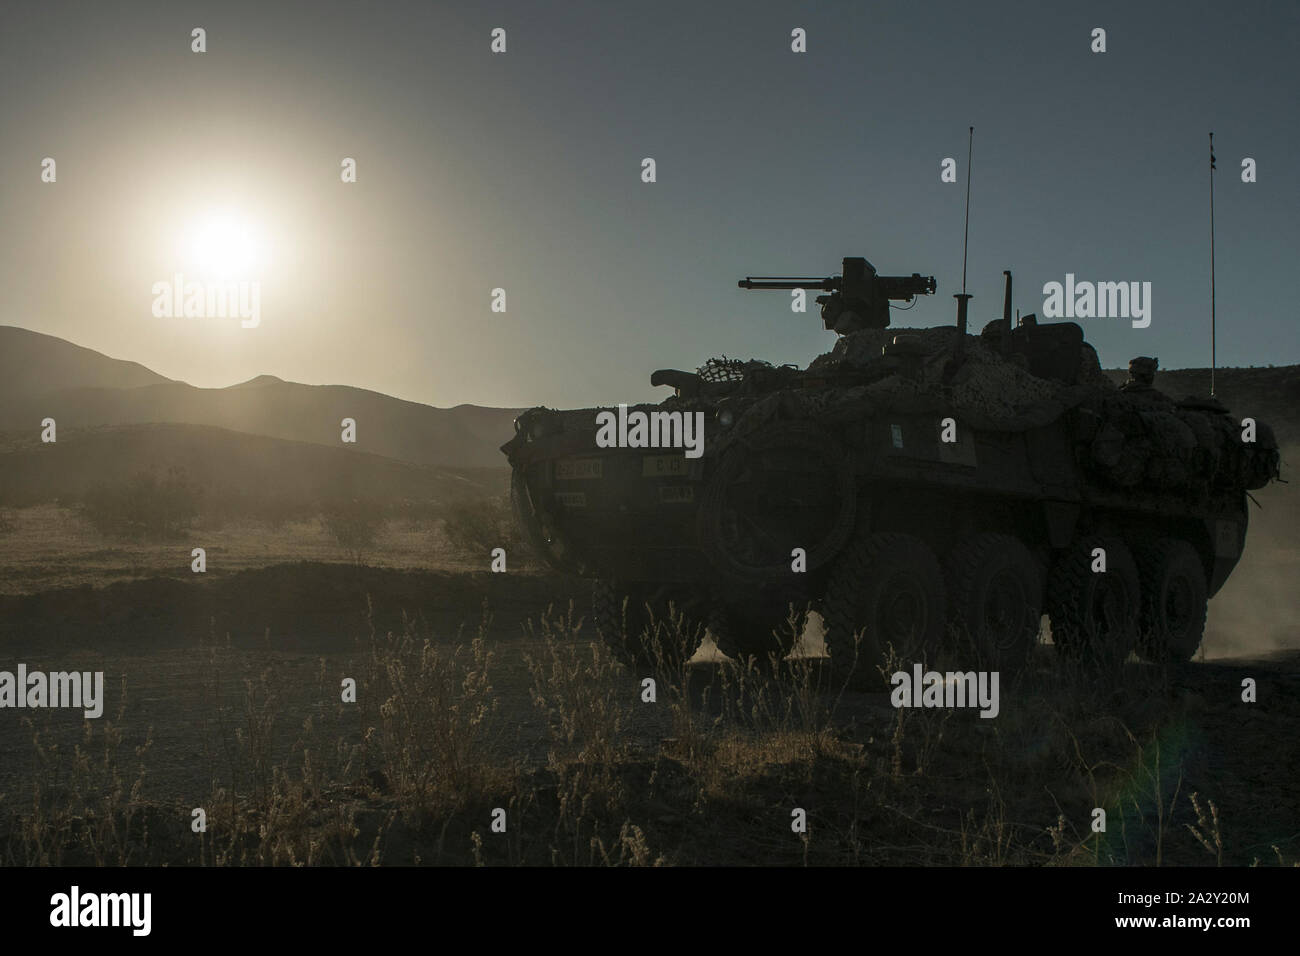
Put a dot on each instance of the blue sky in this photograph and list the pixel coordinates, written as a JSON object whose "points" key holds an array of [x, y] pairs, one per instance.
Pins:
{"points": [[522, 171]]}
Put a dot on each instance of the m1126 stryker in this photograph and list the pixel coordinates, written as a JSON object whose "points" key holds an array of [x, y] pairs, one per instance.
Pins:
{"points": [[912, 486]]}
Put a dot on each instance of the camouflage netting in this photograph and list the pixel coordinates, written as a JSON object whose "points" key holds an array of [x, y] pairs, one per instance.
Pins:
{"points": [[988, 391], [756, 374], [1129, 438], [866, 346], [1141, 438], [723, 369], [1147, 440]]}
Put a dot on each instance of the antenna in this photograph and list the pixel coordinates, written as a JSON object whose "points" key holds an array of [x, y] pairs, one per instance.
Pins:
{"points": [[962, 298], [1213, 357], [970, 147]]}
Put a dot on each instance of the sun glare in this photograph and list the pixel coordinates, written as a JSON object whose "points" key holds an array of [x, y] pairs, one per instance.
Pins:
{"points": [[224, 244]]}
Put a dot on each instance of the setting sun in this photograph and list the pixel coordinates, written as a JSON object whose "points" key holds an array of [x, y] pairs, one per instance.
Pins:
{"points": [[225, 244]]}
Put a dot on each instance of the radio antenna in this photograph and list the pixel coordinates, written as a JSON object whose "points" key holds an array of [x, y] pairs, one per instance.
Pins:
{"points": [[962, 298], [970, 146], [1213, 357]]}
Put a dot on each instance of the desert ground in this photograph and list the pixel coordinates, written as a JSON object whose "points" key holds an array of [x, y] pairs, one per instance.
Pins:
{"points": [[478, 692]]}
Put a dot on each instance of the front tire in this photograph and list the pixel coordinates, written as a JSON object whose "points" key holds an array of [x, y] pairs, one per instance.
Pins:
{"points": [[645, 625]]}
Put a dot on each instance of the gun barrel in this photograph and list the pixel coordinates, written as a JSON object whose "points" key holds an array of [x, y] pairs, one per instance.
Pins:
{"points": [[789, 282]]}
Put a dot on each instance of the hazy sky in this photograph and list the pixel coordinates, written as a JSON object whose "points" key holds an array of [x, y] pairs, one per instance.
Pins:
{"points": [[522, 170]]}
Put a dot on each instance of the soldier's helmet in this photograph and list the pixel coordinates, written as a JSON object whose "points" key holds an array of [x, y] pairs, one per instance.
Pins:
{"points": [[1142, 370]]}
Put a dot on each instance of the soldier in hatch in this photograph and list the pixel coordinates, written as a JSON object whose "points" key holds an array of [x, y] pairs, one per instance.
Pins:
{"points": [[1141, 379], [1141, 374]]}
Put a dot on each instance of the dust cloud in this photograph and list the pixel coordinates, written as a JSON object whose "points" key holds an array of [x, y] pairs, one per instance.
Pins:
{"points": [[1256, 612]]}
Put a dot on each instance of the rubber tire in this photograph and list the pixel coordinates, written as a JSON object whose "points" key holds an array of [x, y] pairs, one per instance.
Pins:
{"points": [[1171, 573], [621, 619], [758, 629], [735, 459], [1075, 594], [867, 574], [995, 599], [529, 522]]}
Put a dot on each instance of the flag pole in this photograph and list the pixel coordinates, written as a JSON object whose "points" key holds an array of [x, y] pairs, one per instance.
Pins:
{"points": [[1213, 357]]}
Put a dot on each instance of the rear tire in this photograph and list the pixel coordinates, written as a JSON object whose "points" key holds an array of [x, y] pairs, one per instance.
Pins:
{"points": [[1174, 601], [995, 598], [890, 587], [1095, 614]]}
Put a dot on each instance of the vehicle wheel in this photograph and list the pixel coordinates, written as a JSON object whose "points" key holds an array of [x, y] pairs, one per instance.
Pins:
{"points": [[1095, 614], [538, 528], [1174, 601], [760, 629], [789, 486], [890, 587], [995, 600], [647, 625]]}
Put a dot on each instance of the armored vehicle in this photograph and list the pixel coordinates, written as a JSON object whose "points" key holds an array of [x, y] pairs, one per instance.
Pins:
{"points": [[911, 486]]}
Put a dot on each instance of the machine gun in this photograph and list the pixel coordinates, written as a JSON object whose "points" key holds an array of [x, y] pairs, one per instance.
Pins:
{"points": [[858, 299]]}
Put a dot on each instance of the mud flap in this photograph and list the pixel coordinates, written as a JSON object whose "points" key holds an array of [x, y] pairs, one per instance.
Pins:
{"points": [[1227, 537]]}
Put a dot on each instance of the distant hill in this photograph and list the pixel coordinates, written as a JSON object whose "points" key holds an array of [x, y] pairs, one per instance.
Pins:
{"points": [[43, 376], [32, 363], [232, 467]]}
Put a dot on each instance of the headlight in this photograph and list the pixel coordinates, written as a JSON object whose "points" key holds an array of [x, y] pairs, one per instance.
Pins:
{"points": [[725, 418]]}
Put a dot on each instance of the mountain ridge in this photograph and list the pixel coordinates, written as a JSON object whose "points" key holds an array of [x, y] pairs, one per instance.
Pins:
{"points": [[45, 376]]}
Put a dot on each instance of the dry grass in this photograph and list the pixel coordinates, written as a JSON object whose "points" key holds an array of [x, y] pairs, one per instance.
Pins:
{"points": [[710, 772], [50, 546]]}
